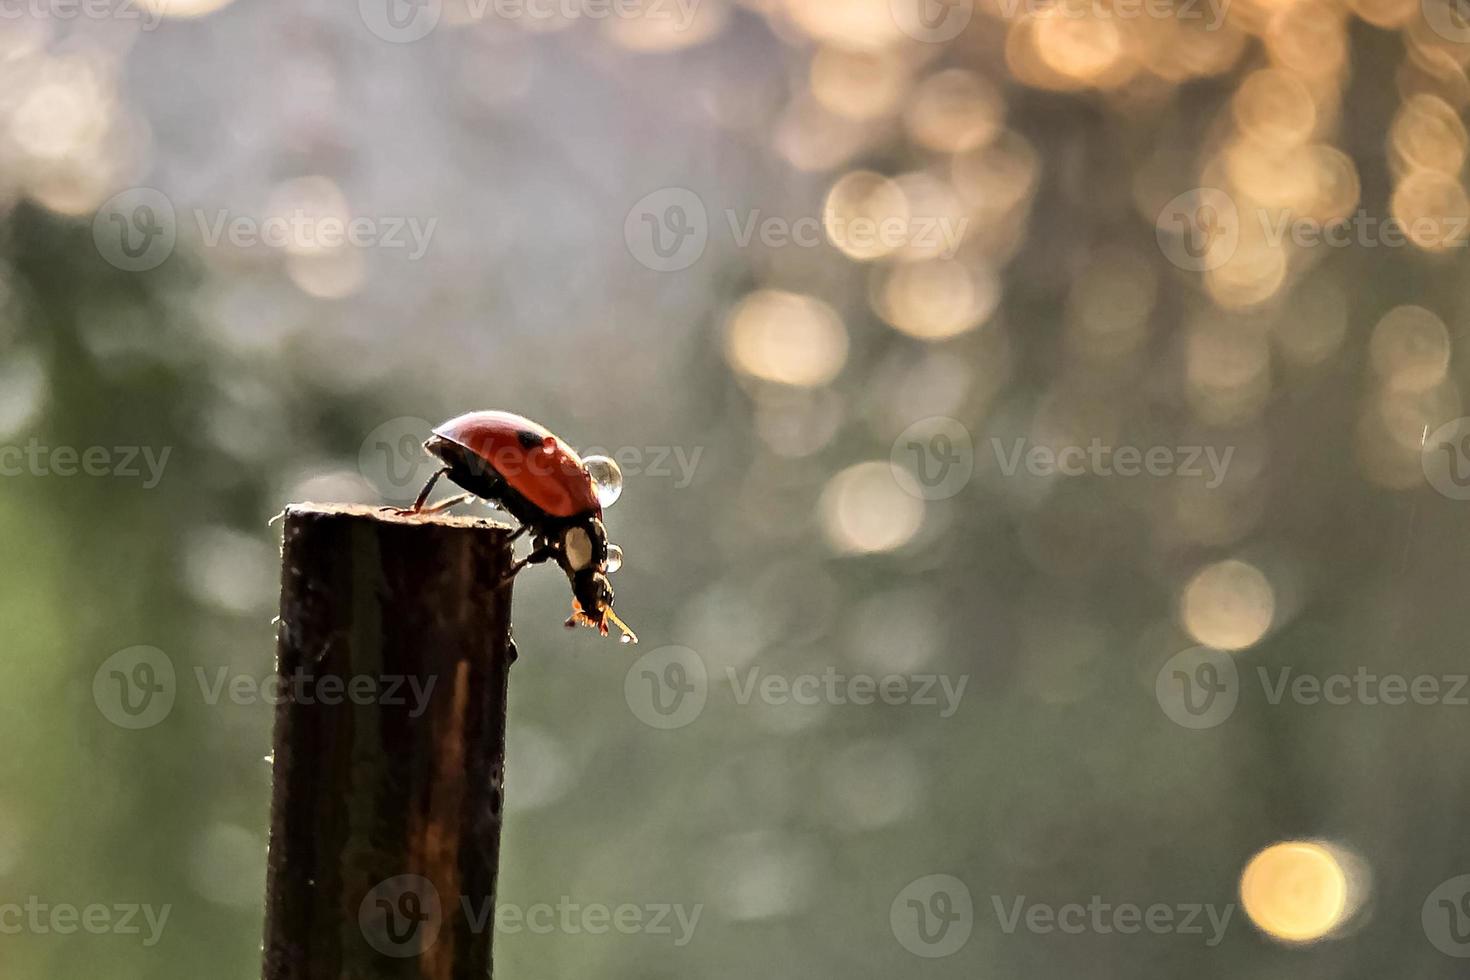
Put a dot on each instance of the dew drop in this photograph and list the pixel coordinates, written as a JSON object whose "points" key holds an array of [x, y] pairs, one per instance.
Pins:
{"points": [[607, 479], [614, 558]]}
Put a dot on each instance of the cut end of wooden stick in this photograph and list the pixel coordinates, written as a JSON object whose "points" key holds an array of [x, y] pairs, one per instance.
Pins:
{"points": [[388, 515]]}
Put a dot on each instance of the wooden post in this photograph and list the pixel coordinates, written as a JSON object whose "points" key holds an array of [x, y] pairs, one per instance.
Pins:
{"points": [[393, 652]]}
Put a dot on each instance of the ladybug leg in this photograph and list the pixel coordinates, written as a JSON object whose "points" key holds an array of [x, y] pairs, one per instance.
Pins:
{"points": [[543, 553], [447, 503], [518, 532], [418, 504]]}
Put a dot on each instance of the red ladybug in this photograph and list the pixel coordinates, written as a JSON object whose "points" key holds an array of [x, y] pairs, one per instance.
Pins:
{"points": [[525, 470]]}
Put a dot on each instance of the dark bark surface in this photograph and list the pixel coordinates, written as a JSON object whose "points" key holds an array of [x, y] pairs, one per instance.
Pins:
{"points": [[393, 654]]}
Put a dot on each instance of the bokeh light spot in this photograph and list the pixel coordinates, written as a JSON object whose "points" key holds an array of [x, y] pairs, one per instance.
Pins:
{"points": [[1228, 605], [1295, 891], [787, 338], [865, 510]]}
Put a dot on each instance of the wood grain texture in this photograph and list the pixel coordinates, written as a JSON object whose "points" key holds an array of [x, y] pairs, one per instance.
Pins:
{"points": [[393, 653]]}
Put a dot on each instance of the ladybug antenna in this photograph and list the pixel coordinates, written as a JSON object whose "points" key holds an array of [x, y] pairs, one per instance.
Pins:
{"points": [[628, 635]]}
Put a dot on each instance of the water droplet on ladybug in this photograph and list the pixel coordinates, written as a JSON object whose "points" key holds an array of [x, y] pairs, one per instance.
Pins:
{"points": [[614, 558], [626, 638], [607, 479]]}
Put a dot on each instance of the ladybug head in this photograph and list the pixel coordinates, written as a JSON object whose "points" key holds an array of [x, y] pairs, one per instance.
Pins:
{"points": [[583, 556]]}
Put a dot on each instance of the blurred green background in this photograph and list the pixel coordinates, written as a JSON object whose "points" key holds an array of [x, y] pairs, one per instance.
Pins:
{"points": [[840, 283]]}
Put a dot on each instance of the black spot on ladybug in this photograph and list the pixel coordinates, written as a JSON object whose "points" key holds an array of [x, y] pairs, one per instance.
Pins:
{"points": [[528, 439]]}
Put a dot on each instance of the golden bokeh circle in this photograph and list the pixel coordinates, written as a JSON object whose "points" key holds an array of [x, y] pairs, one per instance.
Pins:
{"points": [[1295, 891]]}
